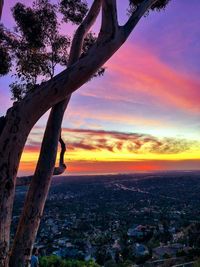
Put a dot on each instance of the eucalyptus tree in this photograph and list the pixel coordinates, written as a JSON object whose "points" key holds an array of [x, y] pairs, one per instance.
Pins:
{"points": [[36, 48], [43, 51], [55, 94]]}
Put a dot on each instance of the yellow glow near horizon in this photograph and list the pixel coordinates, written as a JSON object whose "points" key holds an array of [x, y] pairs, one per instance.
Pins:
{"points": [[115, 156], [101, 150]]}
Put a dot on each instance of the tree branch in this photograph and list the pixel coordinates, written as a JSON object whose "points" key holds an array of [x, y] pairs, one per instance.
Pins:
{"points": [[75, 52], [82, 30], [41, 181], [62, 167], [136, 16], [25, 180], [109, 25]]}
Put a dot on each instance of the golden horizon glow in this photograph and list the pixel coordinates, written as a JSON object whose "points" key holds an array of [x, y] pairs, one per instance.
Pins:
{"points": [[97, 150]]}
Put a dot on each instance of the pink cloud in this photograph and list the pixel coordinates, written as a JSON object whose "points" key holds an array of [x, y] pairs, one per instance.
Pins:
{"points": [[136, 69], [136, 73]]}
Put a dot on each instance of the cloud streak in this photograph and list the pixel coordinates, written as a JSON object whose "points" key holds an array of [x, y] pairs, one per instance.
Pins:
{"points": [[116, 142], [137, 70], [99, 151]]}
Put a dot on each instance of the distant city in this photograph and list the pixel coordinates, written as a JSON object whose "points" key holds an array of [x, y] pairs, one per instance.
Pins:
{"points": [[150, 219]]}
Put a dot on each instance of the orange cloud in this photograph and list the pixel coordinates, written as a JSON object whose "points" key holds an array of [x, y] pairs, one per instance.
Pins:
{"points": [[117, 142], [92, 149]]}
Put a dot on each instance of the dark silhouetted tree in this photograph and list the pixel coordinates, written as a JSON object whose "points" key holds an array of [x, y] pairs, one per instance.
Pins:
{"points": [[55, 94]]}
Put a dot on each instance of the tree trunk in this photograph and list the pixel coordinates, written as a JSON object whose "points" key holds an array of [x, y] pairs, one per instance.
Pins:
{"points": [[11, 143], [38, 190], [27, 231], [26, 180], [23, 115]]}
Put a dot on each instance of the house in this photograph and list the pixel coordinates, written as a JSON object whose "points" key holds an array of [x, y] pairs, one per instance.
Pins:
{"points": [[136, 231], [140, 250], [169, 250]]}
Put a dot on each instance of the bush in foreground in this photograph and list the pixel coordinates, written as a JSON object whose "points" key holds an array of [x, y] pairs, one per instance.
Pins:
{"points": [[55, 261]]}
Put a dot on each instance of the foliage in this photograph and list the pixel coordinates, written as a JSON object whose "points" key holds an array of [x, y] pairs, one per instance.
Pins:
{"points": [[5, 63], [102, 256], [112, 263], [193, 253], [181, 253], [89, 41], [39, 46], [166, 256], [55, 261], [36, 46], [73, 11], [197, 263], [159, 5]]}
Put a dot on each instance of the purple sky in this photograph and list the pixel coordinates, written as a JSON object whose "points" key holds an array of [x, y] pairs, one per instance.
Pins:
{"points": [[151, 85]]}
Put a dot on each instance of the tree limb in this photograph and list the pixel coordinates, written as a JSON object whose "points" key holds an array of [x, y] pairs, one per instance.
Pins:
{"points": [[25, 180], [41, 181], [82, 30], [136, 16], [109, 25], [62, 167], [20, 119]]}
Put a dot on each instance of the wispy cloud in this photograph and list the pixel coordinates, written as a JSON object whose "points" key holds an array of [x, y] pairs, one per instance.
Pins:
{"points": [[117, 142], [99, 151], [137, 70]]}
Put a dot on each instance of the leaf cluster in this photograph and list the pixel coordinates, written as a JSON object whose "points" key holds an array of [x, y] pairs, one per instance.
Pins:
{"points": [[55, 261], [89, 41], [36, 46], [73, 10], [159, 5], [5, 62], [39, 46]]}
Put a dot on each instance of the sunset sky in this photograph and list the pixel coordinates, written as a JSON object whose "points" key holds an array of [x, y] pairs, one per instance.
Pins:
{"points": [[144, 114]]}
